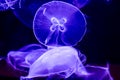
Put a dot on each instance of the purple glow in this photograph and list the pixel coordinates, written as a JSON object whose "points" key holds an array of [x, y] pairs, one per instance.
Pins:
{"points": [[59, 23]]}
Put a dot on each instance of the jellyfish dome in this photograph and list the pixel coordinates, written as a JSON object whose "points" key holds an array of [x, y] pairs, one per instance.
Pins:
{"points": [[63, 61], [58, 23]]}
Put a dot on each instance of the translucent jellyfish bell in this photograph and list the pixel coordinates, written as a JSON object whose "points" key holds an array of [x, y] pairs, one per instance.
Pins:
{"points": [[62, 61], [59, 23]]}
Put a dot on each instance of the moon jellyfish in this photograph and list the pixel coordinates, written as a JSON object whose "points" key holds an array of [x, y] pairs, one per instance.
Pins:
{"points": [[59, 23], [62, 61]]}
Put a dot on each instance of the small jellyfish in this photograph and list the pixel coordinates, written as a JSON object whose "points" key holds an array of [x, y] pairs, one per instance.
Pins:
{"points": [[59, 23], [62, 61]]}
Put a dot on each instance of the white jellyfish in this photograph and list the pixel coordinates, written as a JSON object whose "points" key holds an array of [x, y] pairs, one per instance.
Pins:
{"points": [[63, 61]]}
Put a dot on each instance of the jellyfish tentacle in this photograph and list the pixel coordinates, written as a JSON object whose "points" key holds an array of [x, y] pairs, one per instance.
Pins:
{"points": [[12, 3], [3, 6]]}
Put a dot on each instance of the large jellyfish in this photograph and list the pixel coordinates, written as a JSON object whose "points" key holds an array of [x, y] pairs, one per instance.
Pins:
{"points": [[59, 23], [62, 61]]}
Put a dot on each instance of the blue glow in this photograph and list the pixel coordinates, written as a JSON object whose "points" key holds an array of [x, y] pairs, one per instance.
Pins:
{"points": [[51, 27]]}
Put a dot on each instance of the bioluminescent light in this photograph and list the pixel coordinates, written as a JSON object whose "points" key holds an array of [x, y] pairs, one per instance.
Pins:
{"points": [[63, 61], [59, 23]]}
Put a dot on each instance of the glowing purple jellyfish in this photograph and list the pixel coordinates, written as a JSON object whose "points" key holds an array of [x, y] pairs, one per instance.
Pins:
{"points": [[59, 23], [63, 61]]}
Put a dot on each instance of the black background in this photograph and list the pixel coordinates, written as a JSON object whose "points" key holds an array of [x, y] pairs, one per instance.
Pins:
{"points": [[101, 43]]}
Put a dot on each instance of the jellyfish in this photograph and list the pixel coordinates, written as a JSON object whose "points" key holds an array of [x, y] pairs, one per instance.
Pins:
{"points": [[58, 23], [62, 61]]}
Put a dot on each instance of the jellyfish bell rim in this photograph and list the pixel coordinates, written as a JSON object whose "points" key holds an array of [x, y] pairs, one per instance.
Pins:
{"points": [[63, 41]]}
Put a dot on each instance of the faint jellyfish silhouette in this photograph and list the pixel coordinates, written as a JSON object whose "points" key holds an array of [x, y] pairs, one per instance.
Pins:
{"points": [[23, 58], [62, 61], [80, 3], [59, 23]]}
